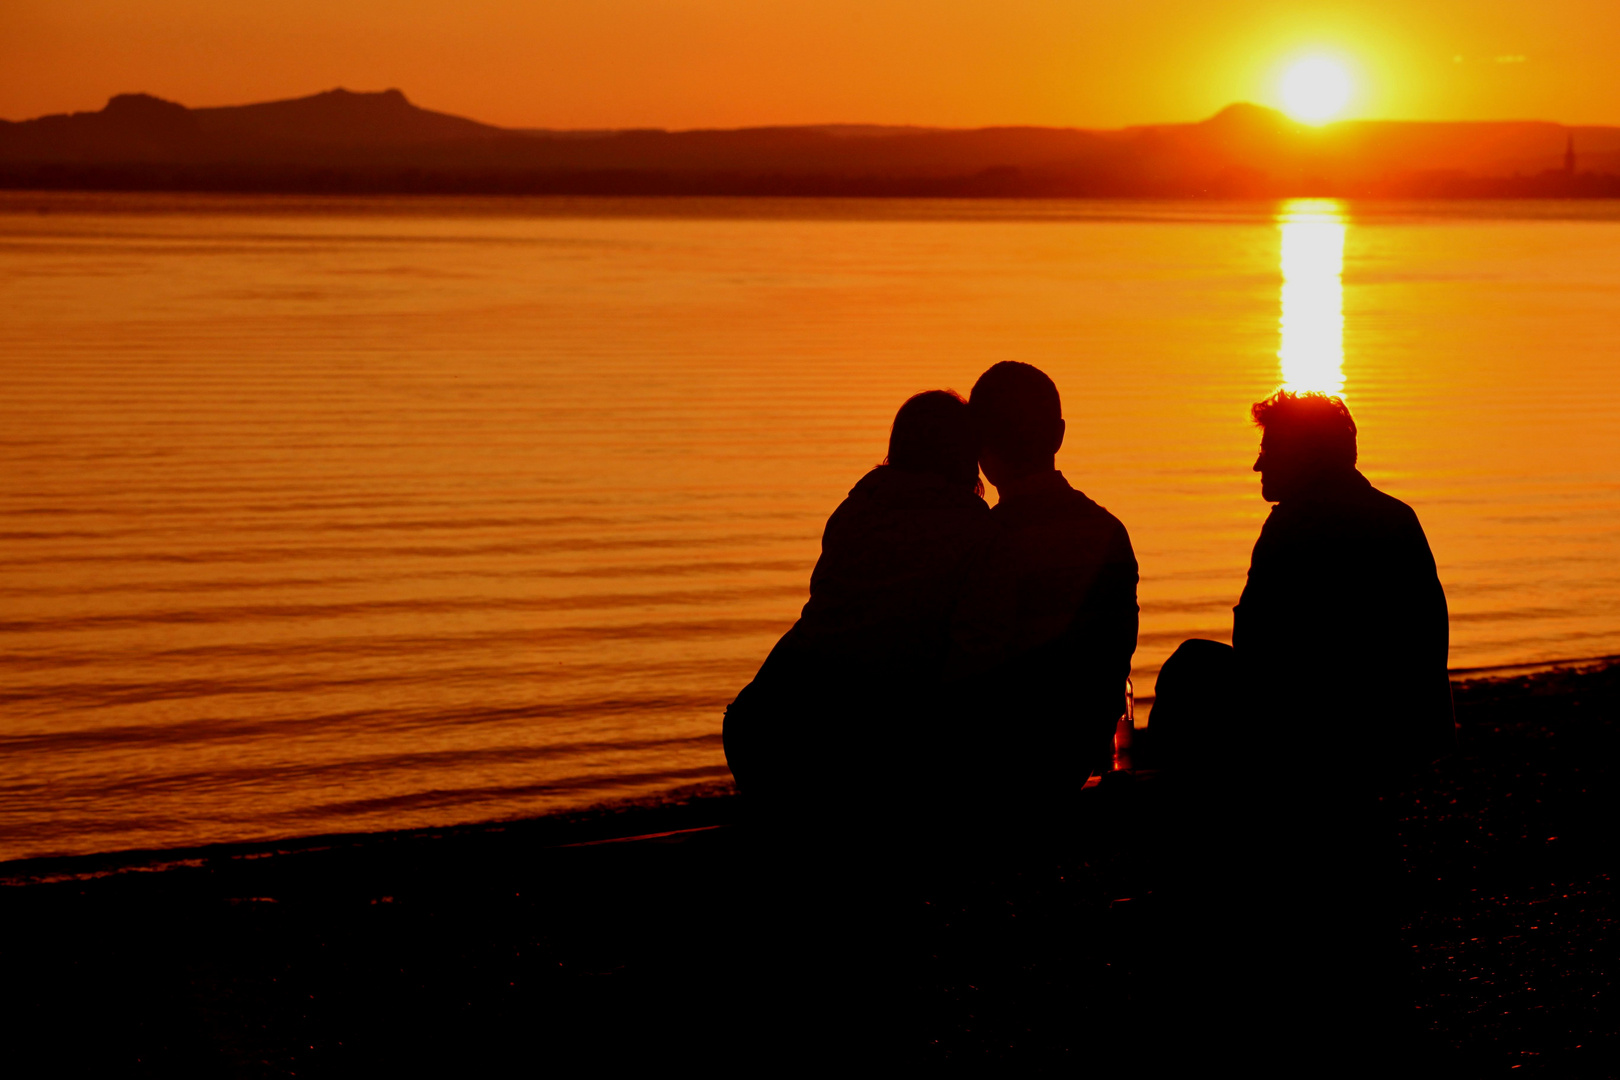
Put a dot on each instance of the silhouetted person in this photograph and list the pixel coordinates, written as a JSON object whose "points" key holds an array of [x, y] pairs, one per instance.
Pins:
{"points": [[1335, 686], [845, 713], [844, 734], [1340, 638], [1055, 704]]}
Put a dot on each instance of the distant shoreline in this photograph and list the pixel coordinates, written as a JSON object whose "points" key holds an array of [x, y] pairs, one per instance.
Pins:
{"points": [[339, 142], [988, 184]]}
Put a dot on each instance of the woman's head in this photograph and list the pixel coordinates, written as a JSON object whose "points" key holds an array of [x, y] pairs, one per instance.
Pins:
{"points": [[932, 434]]}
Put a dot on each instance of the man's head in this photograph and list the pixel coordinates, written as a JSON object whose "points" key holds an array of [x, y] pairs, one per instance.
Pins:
{"points": [[1305, 436], [1020, 421]]}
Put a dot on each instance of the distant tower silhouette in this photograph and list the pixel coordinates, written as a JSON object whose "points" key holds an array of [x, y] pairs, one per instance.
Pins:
{"points": [[1569, 156]]}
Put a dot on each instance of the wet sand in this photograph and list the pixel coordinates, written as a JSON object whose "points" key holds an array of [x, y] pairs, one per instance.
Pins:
{"points": [[535, 945]]}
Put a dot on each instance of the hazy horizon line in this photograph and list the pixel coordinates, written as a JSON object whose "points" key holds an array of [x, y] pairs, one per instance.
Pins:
{"points": [[893, 125]]}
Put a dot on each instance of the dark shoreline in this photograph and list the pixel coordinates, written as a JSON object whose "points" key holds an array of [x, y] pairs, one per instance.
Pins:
{"points": [[696, 806], [535, 939], [653, 185], [990, 184], [341, 141]]}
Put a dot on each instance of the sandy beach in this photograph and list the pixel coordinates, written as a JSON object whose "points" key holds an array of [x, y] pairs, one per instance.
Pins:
{"points": [[555, 940]]}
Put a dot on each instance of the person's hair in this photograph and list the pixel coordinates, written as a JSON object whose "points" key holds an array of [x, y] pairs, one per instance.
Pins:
{"points": [[1017, 411], [1313, 427], [933, 433]]}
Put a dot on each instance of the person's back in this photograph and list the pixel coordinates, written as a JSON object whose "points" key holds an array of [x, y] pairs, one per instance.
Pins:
{"points": [[884, 592], [1075, 570], [1060, 695], [1342, 594], [904, 598]]}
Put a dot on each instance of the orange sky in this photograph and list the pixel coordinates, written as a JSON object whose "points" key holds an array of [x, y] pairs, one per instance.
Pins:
{"points": [[698, 63]]}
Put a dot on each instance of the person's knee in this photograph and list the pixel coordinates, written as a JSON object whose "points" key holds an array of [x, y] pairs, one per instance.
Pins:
{"points": [[1193, 704], [1196, 659]]}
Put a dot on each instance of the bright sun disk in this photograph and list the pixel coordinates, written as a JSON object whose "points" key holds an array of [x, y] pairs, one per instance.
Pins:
{"points": [[1315, 89]]}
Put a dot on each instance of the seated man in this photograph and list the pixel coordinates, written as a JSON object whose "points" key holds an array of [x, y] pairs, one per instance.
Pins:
{"points": [[1341, 635], [1336, 683], [1057, 701]]}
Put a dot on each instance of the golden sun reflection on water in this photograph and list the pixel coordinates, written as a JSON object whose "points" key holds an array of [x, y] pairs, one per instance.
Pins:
{"points": [[1312, 320]]}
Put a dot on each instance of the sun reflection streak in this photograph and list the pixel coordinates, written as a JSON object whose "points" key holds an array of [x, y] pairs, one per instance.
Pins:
{"points": [[1312, 321]]}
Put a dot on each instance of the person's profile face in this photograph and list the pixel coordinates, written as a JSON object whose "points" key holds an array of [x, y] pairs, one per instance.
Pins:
{"points": [[1277, 469]]}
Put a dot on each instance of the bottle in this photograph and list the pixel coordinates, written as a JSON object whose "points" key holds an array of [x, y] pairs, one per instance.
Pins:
{"points": [[1125, 731]]}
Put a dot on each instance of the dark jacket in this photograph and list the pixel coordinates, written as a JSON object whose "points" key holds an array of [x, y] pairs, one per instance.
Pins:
{"points": [[910, 575], [908, 595], [1075, 625], [1342, 631]]}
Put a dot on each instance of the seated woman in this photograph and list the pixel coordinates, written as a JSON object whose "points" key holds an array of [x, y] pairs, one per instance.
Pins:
{"points": [[847, 710]]}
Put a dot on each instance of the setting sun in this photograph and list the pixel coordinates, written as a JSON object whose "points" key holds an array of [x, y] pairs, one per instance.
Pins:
{"points": [[1316, 89]]}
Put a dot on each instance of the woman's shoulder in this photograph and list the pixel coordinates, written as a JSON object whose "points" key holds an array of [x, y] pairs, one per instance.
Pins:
{"points": [[887, 486], [895, 510]]}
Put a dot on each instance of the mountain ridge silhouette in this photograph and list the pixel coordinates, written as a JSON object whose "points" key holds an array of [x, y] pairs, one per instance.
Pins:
{"points": [[342, 140]]}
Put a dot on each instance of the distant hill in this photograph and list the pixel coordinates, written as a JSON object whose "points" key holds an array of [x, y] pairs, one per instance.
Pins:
{"points": [[338, 124], [381, 142]]}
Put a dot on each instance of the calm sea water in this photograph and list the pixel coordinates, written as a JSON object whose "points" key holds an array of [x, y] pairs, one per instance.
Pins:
{"points": [[329, 515]]}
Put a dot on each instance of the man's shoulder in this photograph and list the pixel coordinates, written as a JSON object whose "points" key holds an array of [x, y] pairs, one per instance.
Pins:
{"points": [[1090, 508], [1091, 517], [1384, 515], [1389, 506], [1061, 531], [1055, 500], [1348, 513]]}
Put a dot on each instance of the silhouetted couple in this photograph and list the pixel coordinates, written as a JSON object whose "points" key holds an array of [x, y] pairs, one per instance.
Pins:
{"points": [[952, 659], [962, 665], [952, 654]]}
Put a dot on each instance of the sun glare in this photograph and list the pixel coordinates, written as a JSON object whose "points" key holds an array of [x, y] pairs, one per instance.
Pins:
{"points": [[1316, 89]]}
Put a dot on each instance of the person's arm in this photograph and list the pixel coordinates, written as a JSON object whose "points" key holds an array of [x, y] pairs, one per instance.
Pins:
{"points": [[1103, 640], [1424, 637], [1393, 705]]}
